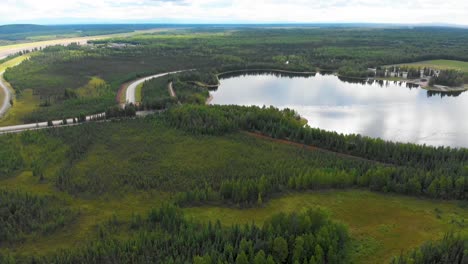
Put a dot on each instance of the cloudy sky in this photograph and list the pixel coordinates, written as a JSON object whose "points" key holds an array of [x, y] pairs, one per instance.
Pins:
{"points": [[233, 11]]}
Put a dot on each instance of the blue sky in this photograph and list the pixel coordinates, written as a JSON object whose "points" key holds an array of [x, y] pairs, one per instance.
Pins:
{"points": [[234, 11]]}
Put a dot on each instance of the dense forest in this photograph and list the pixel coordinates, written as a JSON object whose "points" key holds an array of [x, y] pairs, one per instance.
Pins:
{"points": [[202, 162], [417, 170], [192, 154], [350, 52]]}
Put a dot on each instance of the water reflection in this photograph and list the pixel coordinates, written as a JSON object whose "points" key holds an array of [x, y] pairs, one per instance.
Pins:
{"points": [[390, 110]]}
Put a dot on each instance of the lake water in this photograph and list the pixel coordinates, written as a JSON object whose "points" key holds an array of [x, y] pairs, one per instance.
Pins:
{"points": [[389, 110]]}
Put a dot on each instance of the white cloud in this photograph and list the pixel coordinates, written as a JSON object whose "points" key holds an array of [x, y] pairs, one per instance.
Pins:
{"points": [[224, 11]]}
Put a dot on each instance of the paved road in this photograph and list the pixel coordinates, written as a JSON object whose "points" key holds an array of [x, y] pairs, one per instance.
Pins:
{"points": [[130, 97], [5, 105], [42, 125]]}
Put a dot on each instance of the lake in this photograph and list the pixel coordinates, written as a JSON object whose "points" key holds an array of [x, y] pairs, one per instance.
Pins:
{"points": [[395, 111]]}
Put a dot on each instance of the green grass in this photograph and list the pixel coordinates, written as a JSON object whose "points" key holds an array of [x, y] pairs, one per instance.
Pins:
{"points": [[2, 96], [138, 93], [441, 64], [382, 225], [22, 107], [13, 62]]}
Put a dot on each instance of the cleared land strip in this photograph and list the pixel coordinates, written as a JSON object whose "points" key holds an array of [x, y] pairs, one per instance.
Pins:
{"points": [[8, 50]]}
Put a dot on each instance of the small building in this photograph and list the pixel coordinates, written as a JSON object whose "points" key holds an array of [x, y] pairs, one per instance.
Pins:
{"points": [[374, 70]]}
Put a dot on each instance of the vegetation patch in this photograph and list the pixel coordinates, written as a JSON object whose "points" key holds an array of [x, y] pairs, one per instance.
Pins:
{"points": [[23, 214], [441, 65], [164, 236], [22, 106], [382, 225]]}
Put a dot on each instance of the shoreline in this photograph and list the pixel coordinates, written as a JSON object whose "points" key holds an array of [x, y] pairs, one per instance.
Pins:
{"points": [[265, 70], [445, 89]]}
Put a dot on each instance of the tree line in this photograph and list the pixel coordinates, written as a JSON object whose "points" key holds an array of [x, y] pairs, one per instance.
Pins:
{"points": [[405, 168], [166, 236], [452, 249], [23, 214]]}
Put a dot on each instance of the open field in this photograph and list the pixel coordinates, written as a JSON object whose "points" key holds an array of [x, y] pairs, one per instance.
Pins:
{"points": [[441, 64], [13, 62], [382, 225]]}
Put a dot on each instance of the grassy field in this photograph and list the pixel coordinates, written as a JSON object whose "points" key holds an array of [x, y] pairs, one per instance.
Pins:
{"points": [[441, 64], [382, 225], [2, 96], [13, 62], [138, 93], [22, 107]]}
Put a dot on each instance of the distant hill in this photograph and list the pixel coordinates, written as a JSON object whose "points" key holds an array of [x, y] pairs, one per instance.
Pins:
{"points": [[26, 32], [21, 28]]}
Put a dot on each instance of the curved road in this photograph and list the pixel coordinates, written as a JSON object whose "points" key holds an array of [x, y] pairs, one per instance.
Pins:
{"points": [[5, 105], [130, 98], [130, 95]]}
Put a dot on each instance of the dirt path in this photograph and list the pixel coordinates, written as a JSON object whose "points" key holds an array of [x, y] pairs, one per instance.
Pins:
{"points": [[171, 90], [308, 147]]}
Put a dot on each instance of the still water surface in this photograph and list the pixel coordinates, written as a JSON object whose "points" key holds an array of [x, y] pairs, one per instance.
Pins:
{"points": [[394, 111]]}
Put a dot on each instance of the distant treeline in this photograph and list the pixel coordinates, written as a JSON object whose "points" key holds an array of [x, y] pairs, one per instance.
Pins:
{"points": [[25, 32]]}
